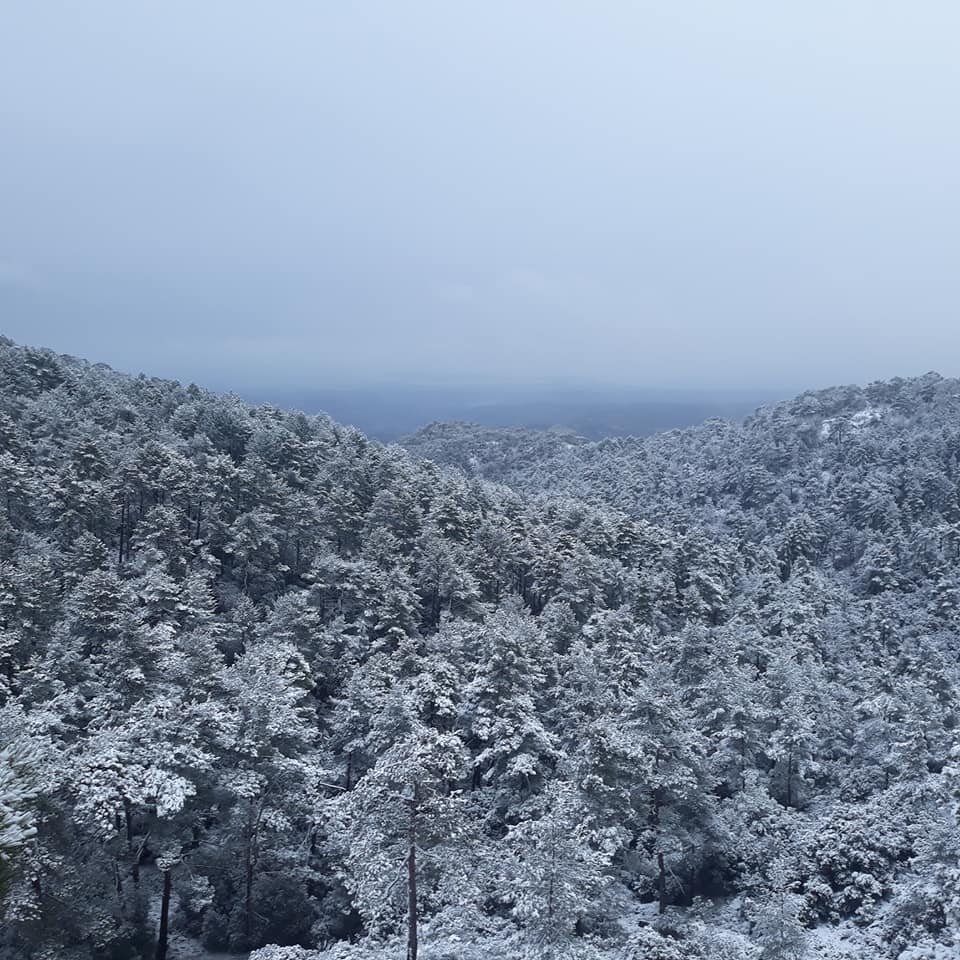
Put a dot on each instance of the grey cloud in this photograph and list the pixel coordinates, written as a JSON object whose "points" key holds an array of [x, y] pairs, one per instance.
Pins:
{"points": [[658, 194]]}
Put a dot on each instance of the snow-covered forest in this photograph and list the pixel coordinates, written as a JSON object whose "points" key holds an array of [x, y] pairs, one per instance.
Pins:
{"points": [[269, 688]]}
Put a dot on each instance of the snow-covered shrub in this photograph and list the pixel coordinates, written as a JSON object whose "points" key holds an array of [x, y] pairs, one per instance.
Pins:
{"points": [[927, 905], [928, 950], [756, 827], [919, 912], [273, 952], [716, 943], [18, 790], [650, 944], [284, 912], [214, 930], [778, 928], [854, 855]]}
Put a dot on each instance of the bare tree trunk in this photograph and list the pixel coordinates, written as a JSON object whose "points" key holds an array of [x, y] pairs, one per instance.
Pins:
{"points": [[412, 917], [661, 884], [123, 529], [248, 889], [161, 953]]}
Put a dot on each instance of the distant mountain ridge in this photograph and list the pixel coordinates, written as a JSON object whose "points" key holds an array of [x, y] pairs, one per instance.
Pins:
{"points": [[814, 416], [389, 412]]}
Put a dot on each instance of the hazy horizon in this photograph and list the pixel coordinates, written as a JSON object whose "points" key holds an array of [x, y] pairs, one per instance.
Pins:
{"points": [[259, 385], [390, 410]]}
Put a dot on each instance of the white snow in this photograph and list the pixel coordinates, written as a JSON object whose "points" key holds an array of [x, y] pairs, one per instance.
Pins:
{"points": [[855, 422]]}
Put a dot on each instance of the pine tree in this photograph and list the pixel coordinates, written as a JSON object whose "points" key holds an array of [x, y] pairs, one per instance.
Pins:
{"points": [[400, 832]]}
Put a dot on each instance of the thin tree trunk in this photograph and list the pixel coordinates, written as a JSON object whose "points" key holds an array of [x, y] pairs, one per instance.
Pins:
{"points": [[123, 529], [412, 918], [248, 890], [161, 953], [661, 884]]}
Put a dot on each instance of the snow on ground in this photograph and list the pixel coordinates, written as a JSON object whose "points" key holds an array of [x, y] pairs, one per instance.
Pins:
{"points": [[842, 941]]}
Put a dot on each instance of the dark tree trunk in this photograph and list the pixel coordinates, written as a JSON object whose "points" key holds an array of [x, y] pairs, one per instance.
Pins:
{"points": [[248, 891], [661, 885], [412, 917], [161, 953], [135, 855], [123, 529]]}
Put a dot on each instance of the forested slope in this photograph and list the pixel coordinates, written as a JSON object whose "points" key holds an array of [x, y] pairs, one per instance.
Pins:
{"points": [[278, 684]]}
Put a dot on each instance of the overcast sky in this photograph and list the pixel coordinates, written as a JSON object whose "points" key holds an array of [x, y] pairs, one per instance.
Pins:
{"points": [[664, 193]]}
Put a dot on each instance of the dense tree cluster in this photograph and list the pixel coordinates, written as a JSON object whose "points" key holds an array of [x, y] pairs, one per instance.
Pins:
{"points": [[265, 682], [494, 453]]}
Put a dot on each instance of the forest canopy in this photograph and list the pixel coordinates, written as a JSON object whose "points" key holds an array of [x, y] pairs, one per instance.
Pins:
{"points": [[269, 686]]}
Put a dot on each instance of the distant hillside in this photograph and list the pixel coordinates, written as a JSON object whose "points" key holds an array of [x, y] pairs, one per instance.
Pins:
{"points": [[815, 441], [491, 452], [390, 412]]}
